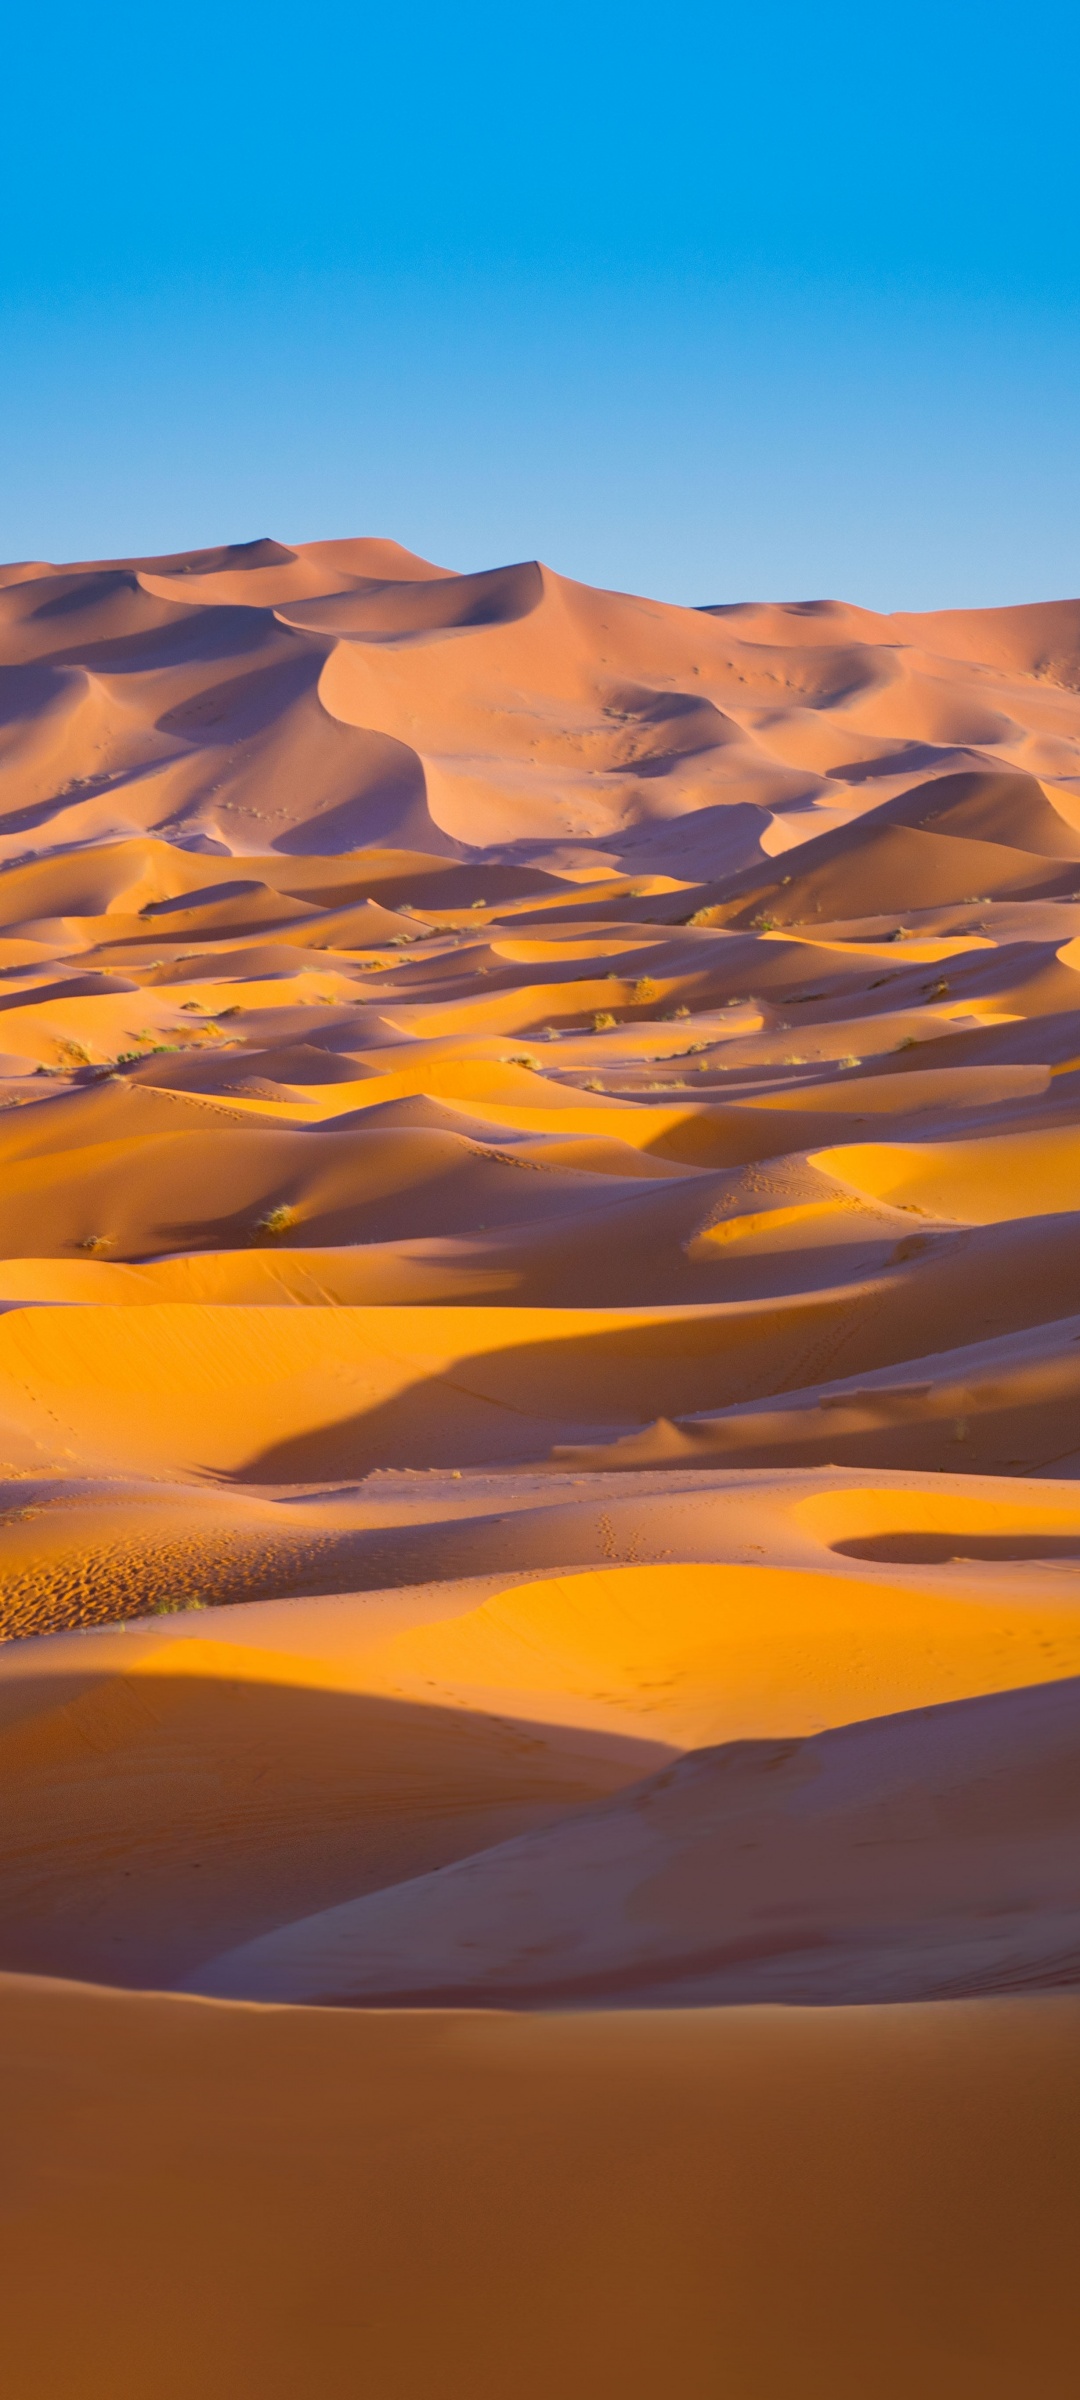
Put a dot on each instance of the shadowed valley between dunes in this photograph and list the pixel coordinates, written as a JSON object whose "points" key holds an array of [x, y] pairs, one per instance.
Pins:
{"points": [[540, 1530]]}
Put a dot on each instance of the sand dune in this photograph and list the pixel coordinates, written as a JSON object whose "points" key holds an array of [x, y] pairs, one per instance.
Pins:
{"points": [[873, 2199], [866, 1864], [539, 1425]]}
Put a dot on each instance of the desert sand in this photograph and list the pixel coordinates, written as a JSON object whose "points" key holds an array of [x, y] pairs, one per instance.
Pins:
{"points": [[540, 1534]]}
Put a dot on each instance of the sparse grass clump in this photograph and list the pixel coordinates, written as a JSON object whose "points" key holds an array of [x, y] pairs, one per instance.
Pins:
{"points": [[278, 1220], [603, 1022]]}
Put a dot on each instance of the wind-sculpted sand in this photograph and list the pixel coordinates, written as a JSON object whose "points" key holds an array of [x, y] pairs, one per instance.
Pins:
{"points": [[540, 1533]]}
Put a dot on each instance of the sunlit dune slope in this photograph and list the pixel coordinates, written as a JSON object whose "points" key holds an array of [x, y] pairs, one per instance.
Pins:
{"points": [[169, 1788], [711, 1653], [539, 1437]]}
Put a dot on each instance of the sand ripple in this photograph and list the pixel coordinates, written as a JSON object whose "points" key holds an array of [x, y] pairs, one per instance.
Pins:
{"points": [[539, 1427]]}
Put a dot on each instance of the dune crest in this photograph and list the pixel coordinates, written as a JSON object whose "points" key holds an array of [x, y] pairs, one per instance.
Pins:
{"points": [[540, 1437]]}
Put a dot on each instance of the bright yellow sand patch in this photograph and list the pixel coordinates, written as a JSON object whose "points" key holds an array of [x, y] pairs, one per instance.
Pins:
{"points": [[701, 1654], [978, 1182], [851, 1512], [755, 1223], [452, 1409]]}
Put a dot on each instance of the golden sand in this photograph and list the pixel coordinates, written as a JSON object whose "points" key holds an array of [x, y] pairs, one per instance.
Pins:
{"points": [[539, 1426]]}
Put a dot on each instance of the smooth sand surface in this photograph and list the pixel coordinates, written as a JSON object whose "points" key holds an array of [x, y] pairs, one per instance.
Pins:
{"points": [[220, 2200], [539, 1434], [918, 1855]]}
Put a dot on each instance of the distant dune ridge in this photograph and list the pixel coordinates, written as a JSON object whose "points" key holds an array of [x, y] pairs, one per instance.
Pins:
{"points": [[540, 1421]]}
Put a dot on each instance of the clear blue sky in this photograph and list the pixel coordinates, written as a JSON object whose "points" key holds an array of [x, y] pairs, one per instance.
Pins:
{"points": [[711, 301]]}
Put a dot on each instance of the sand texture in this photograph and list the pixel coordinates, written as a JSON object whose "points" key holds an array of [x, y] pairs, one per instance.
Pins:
{"points": [[540, 1528]]}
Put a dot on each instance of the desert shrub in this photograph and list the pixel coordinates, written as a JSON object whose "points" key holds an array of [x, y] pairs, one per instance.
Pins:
{"points": [[278, 1220]]}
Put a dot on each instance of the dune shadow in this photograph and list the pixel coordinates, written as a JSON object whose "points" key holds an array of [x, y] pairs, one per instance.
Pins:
{"points": [[239, 706], [155, 1820], [208, 635], [388, 803], [511, 1403], [919, 1549], [391, 611]]}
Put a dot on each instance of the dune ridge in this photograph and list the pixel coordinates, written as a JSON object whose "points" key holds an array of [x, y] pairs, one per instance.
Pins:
{"points": [[539, 1430]]}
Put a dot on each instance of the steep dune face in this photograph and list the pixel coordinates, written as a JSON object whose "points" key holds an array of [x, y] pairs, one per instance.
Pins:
{"points": [[539, 1426], [532, 708]]}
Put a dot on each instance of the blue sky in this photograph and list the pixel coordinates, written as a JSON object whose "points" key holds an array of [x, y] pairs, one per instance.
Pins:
{"points": [[714, 302]]}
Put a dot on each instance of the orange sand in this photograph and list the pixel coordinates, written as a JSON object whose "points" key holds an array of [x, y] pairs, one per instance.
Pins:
{"points": [[839, 2202], [539, 1146]]}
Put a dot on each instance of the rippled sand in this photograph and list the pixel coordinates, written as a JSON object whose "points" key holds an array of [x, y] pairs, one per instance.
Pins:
{"points": [[540, 1425]]}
